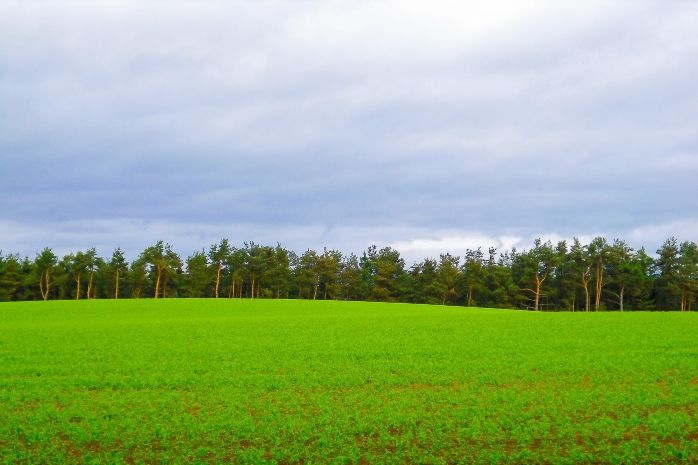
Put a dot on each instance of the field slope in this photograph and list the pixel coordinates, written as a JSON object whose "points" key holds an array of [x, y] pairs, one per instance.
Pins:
{"points": [[239, 381]]}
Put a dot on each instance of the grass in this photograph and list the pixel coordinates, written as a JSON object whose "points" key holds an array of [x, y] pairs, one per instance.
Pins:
{"points": [[221, 381]]}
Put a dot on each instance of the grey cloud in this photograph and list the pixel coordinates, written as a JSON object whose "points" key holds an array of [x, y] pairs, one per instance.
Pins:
{"points": [[499, 119]]}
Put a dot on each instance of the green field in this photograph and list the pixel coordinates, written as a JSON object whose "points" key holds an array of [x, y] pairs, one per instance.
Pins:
{"points": [[240, 381]]}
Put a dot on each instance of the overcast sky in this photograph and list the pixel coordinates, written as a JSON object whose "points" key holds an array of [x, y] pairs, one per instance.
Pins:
{"points": [[430, 126]]}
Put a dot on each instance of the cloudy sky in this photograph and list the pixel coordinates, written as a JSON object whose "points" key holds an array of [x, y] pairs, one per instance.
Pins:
{"points": [[427, 125]]}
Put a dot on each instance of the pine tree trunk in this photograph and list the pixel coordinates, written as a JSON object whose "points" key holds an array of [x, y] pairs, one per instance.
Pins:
{"points": [[218, 279], [157, 283], [585, 284], [587, 300], [539, 284], [116, 285], [599, 286], [41, 286], [77, 290], [89, 286], [622, 291]]}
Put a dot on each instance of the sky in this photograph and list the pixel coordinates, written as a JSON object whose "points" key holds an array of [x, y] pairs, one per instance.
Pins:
{"points": [[428, 126]]}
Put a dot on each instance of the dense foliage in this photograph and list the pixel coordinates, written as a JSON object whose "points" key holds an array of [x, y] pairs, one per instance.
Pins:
{"points": [[300, 382], [601, 275]]}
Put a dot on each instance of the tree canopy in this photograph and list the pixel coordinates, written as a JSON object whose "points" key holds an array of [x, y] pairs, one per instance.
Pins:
{"points": [[597, 276]]}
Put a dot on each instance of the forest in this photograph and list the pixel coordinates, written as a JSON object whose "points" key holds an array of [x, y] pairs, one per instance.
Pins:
{"points": [[599, 276]]}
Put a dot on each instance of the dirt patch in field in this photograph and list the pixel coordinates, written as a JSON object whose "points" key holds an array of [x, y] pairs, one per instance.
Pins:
{"points": [[430, 387], [366, 438], [244, 444], [92, 446], [71, 449], [194, 410]]}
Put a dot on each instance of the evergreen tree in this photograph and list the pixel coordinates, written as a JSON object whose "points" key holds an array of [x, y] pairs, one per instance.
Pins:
{"points": [[688, 274], [367, 262], [197, 276], [279, 272], [350, 277], [473, 276], [531, 270], [580, 265], [306, 275], [236, 271], [219, 255], [44, 265], [137, 276], [425, 288], [448, 278], [667, 286], [598, 255], [63, 280], [165, 267], [621, 270], [641, 281], [328, 266], [564, 284], [10, 277], [117, 269], [390, 268]]}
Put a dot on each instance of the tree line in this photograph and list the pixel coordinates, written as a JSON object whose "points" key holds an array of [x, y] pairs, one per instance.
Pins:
{"points": [[600, 275]]}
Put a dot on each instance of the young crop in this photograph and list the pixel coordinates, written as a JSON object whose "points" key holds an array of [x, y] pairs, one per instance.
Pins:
{"points": [[286, 382]]}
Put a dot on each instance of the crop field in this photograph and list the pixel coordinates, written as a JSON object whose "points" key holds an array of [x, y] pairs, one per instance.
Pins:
{"points": [[290, 382]]}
